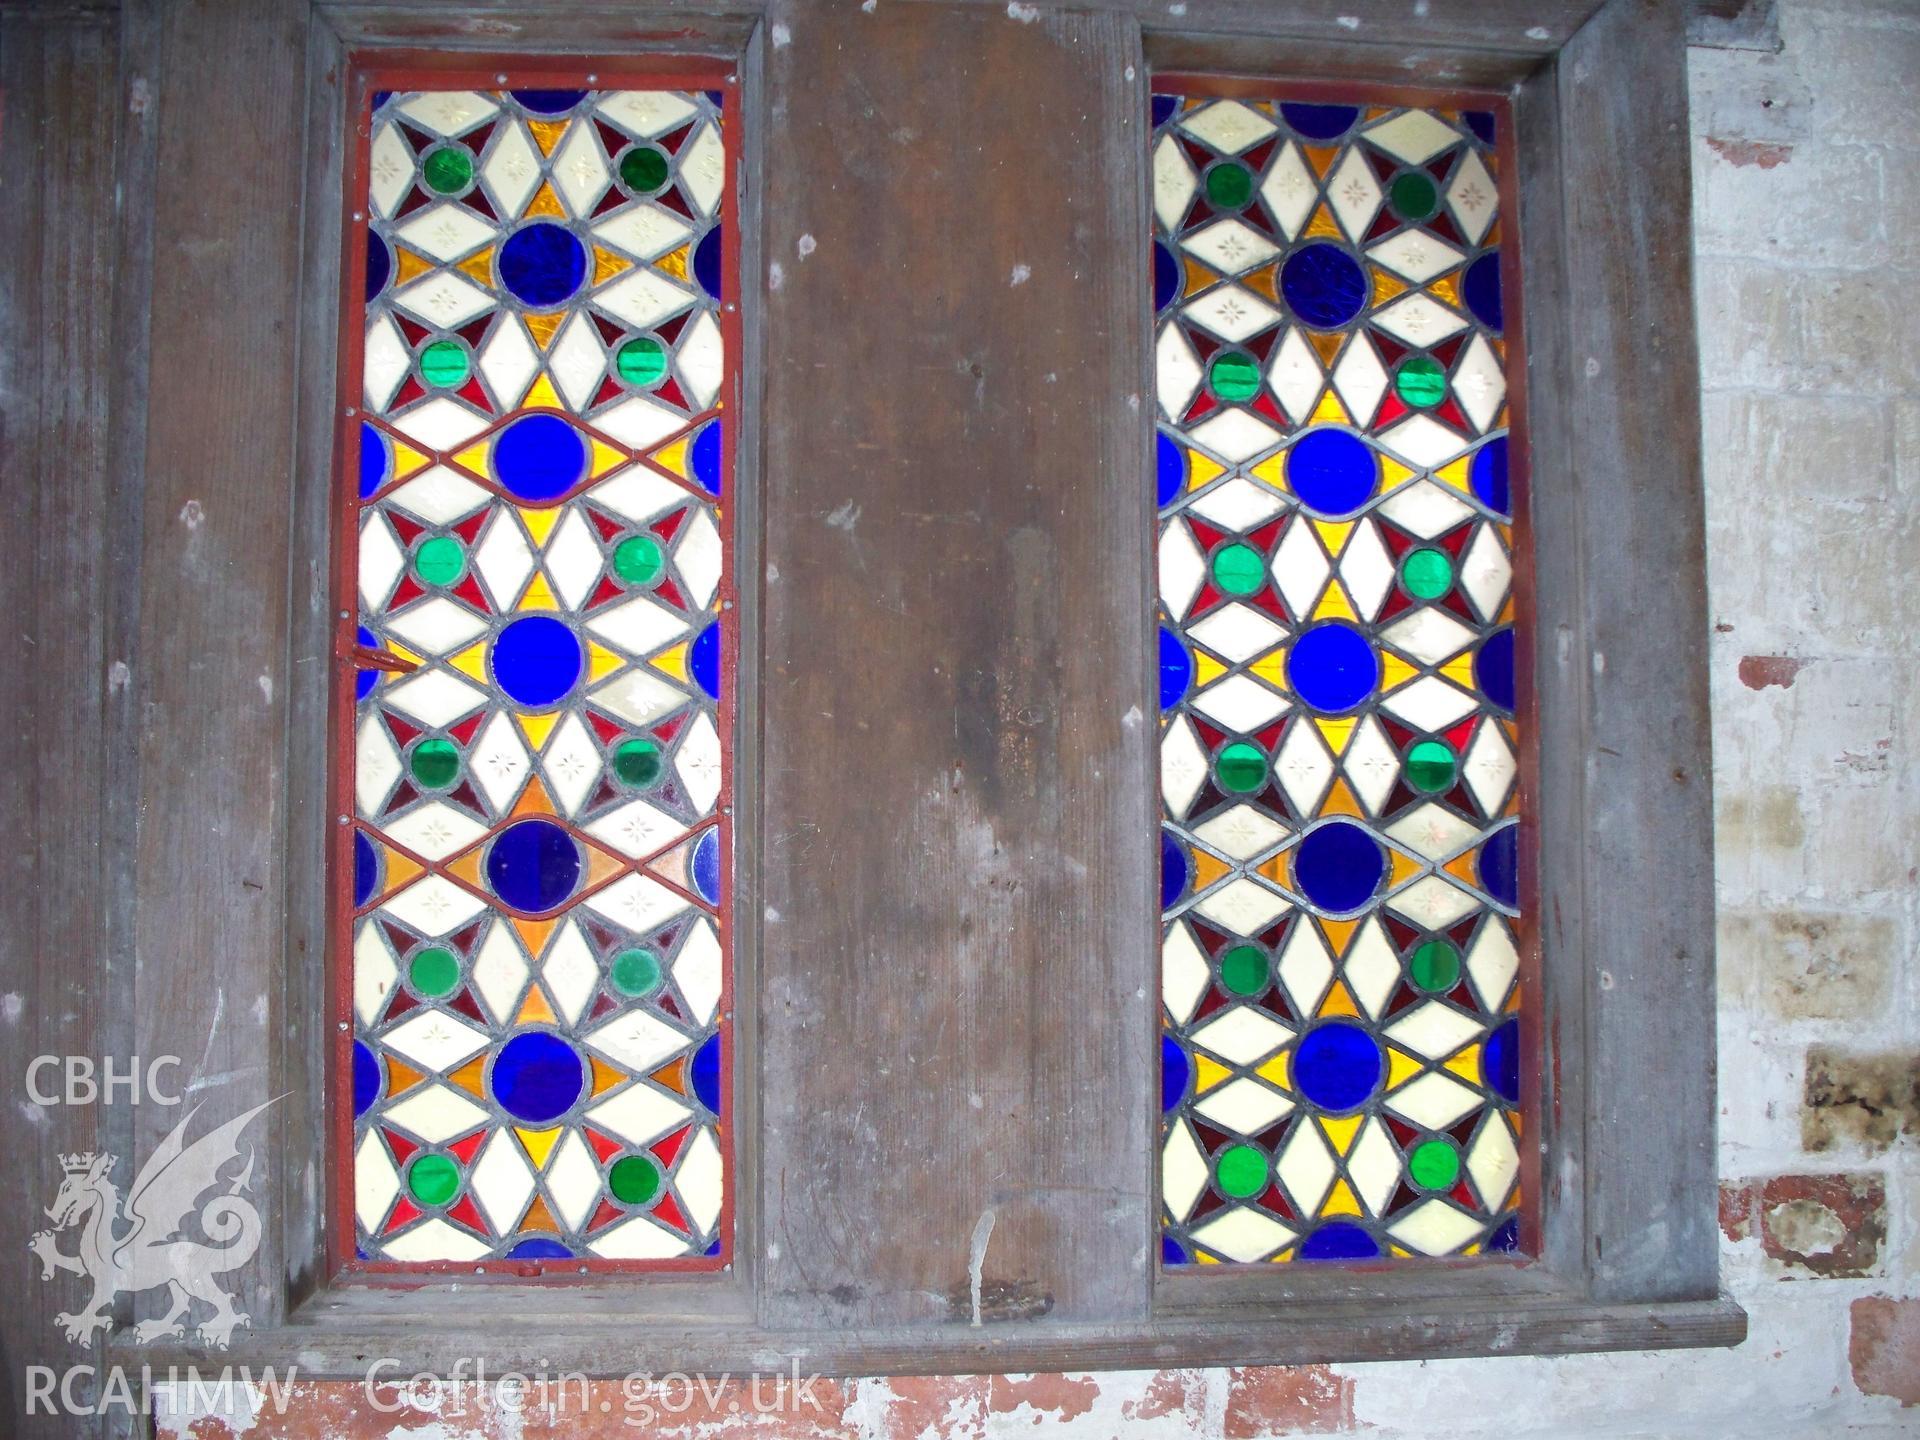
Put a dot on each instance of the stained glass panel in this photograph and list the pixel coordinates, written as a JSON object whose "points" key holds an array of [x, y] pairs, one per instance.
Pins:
{"points": [[1339, 755], [534, 733]]}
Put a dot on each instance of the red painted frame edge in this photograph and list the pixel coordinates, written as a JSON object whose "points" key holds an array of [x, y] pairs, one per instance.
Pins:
{"points": [[1527, 928], [369, 71]]}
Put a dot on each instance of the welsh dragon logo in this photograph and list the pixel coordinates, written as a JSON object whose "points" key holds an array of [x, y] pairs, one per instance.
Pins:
{"points": [[142, 1248]]}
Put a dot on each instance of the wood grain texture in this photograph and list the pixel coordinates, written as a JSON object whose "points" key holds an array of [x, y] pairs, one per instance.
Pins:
{"points": [[1632, 384], [210, 671], [957, 782], [60, 83], [1561, 676], [1298, 1336]]}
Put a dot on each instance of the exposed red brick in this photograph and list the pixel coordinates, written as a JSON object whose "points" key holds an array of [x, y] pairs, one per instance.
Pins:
{"points": [[1171, 1392], [603, 1410], [1065, 1397], [1276, 1400], [1829, 1225], [918, 1404], [1884, 1347], [1750, 152], [1736, 1209], [1759, 671]]}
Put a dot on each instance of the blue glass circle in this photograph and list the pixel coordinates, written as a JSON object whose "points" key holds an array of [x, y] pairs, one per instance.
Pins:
{"points": [[1173, 869], [549, 102], [1500, 1062], [1480, 288], [379, 265], [703, 457], [365, 678], [706, 867], [1320, 122], [376, 460], [366, 1078], [534, 866], [706, 263], [1172, 1252], [537, 660], [539, 1247], [1163, 107], [542, 264], [1338, 1066], [1332, 471], [1332, 667], [1166, 276], [1339, 1240], [1175, 1070], [1487, 473], [1169, 470], [366, 869], [1324, 284], [1176, 669], [1493, 668], [703, 659], [1500, 866], [704, 1072], [537, 1077], [1339, 866], [540, 457]]}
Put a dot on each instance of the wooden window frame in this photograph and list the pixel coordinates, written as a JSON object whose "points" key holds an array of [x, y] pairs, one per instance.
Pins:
{"points": [[1064, 764]]}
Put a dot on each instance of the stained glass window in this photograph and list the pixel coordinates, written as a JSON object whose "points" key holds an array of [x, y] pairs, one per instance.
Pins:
{"points": [[1342, 942], [534, 729]]}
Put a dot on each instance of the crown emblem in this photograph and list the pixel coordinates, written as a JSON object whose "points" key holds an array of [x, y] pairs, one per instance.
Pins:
{"points": [[77, 1164]]}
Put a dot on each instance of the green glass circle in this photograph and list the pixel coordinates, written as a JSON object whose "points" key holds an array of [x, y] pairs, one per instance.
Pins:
{"points": [[1431, 766], [1427, 573], [1435, 966], [635, 972], [1414, 195], [1244, 970], [634, 1180], [433, 1179], [434, 971], [1229, 185], [448, 170], [1434, 1165], [1234, 376], [444, 364], [1241, 768], [440, 560], [435, 762], [1241, 1171], [1421, 382], [638, 560], [1239, 570], [641, 361], [644, 169], [637, 762]]}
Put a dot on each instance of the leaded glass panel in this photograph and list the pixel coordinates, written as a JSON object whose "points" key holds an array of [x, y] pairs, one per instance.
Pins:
{"points": [[535, 732], [1342, 939]]}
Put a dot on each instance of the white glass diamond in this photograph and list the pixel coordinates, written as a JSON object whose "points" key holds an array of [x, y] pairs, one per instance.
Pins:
{"points": [[1415, 136], [1229, 246]]}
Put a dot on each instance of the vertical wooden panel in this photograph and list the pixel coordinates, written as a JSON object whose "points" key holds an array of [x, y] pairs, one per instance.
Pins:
{"points": [[1633, 414], [1561, 675], [957, 782], [211, 667], [59, 79]]}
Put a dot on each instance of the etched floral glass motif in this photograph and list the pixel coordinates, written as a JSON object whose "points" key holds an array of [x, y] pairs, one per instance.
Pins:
{"points": [[1340, 1059], [534, 724]]}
